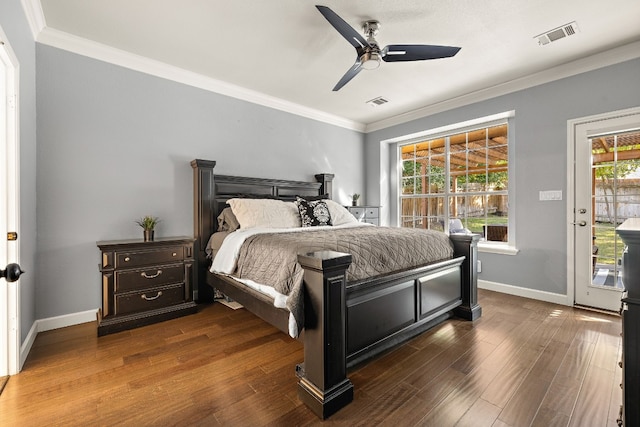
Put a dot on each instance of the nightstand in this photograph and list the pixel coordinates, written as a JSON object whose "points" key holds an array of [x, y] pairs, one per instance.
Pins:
{"points": [[145, 282], [370, 214]]}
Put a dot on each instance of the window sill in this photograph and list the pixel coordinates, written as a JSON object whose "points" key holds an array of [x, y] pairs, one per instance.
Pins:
{"points": [[500, 249]]}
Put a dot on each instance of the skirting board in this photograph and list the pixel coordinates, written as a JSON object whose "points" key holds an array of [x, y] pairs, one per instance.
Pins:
{"points": [[51, 323], [525, 292]]}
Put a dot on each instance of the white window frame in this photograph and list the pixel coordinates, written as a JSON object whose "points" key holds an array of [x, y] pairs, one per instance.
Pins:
{"points": [[508, 248]]}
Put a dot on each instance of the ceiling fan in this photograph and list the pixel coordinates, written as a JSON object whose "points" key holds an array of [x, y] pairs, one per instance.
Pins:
{"points": [[370, 54]]}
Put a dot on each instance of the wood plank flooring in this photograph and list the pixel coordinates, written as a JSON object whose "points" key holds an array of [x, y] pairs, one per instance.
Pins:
{"points": [[524, 363]]}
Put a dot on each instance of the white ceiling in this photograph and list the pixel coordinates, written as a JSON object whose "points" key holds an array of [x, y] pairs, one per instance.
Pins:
{"points": [[285, 52]]}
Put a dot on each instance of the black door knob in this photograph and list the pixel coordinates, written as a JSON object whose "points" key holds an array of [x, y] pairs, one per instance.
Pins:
{"points": [[11, 273]]}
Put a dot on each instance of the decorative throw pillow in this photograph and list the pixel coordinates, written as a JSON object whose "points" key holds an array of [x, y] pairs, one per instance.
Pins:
{"points": [[339, 214], [313, 213]]}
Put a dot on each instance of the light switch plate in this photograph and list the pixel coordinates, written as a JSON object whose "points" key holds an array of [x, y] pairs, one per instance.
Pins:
{"points": [[547, 195]]}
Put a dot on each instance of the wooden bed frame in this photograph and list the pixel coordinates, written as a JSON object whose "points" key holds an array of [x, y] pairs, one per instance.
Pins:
{"points": [[345, 323]]}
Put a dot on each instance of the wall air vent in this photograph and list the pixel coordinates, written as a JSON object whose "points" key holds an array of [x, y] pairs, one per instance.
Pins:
{"points": [[557, 33], [377, 101]]}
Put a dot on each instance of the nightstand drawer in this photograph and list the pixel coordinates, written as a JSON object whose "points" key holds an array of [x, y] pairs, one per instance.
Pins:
{"points": [[135, 302], [368, 214], [139, 279], [156, 256], [357, 212]]}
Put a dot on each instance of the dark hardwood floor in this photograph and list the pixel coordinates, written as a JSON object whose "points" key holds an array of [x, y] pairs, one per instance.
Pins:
{"points": [[524, 363]]}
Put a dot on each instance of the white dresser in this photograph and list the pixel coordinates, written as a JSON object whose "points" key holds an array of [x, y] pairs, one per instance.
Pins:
{"points": [[370, 214]]}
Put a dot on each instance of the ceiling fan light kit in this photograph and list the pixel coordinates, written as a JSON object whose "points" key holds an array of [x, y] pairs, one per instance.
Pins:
{"points": [[370, 60], [368, 53]]}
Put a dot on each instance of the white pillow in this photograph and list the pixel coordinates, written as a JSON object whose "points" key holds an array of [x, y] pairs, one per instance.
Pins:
{"points": [[265, 213], [339, 214]]}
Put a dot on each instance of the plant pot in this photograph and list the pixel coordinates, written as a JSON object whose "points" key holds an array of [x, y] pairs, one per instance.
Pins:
{"points": [[148, 235], [355, 203]]}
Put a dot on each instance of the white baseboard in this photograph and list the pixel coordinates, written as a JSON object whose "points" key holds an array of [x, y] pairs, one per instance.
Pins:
{"points": [[25, 348], [51, 323], [67, 320], [524, 292]]}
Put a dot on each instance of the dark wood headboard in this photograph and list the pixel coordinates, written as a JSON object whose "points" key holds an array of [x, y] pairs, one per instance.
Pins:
{"points": [[210, 195]]}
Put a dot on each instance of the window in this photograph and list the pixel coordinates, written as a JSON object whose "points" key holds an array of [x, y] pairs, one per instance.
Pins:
{"points": [[458, 180]]}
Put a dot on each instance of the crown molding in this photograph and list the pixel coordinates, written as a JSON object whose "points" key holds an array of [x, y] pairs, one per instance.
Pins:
{"points": [[35, 16], [91, 49], [600, 60], [48, 36]]}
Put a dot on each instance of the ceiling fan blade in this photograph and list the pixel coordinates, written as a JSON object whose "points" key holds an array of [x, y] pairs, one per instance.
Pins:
{"points": [[352, 36], [416, 52], [351, 73]]}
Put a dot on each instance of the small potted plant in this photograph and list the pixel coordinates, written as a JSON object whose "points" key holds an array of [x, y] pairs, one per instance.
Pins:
{"points": [[355, 199], [148, 224]]}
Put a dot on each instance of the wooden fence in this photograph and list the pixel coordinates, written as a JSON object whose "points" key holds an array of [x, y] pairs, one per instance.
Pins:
{"points": [[627, 201]]}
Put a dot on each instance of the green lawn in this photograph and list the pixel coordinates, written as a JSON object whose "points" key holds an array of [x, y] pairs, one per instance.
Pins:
{"points": [[609, 251], [475, 224]]}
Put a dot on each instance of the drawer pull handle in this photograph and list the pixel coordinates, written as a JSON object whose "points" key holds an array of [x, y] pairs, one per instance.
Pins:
{"points": [[174, 254], [146, 298], [144, 274], [127, 259]]}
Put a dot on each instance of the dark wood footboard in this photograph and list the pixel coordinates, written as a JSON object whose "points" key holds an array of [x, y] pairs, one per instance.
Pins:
{"points": [[348, 323]]}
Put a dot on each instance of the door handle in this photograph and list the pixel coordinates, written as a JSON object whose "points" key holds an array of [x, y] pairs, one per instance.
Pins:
{"points": [[12, 272], [581, 223]]}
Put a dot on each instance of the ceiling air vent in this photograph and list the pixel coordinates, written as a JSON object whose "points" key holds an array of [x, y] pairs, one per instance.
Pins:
{"points": [[557, 33], [377, 101]]}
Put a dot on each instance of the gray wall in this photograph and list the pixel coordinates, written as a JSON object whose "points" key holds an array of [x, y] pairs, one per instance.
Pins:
{"points": [[539, 139], [15, 26], [115, 144]]}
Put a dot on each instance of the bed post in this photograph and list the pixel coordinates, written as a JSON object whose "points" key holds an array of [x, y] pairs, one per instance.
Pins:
{"points": [[467, 245], [326, 179], [323, 384], [203, 226]]}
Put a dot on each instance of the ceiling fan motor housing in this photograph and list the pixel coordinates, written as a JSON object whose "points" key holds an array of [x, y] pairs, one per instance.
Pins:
{"points": [[371, 58]]}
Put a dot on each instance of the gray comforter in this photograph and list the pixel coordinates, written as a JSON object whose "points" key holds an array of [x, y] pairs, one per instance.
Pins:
{"points": [[271, 259]]}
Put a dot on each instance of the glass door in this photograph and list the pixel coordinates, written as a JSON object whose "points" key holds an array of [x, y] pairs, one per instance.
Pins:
{"points": [[616, 197], [607, 192]]}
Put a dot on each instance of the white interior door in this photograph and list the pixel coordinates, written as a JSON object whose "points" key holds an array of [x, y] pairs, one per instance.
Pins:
{"points": [[4, 303], [606, 177], [9, 208]]}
